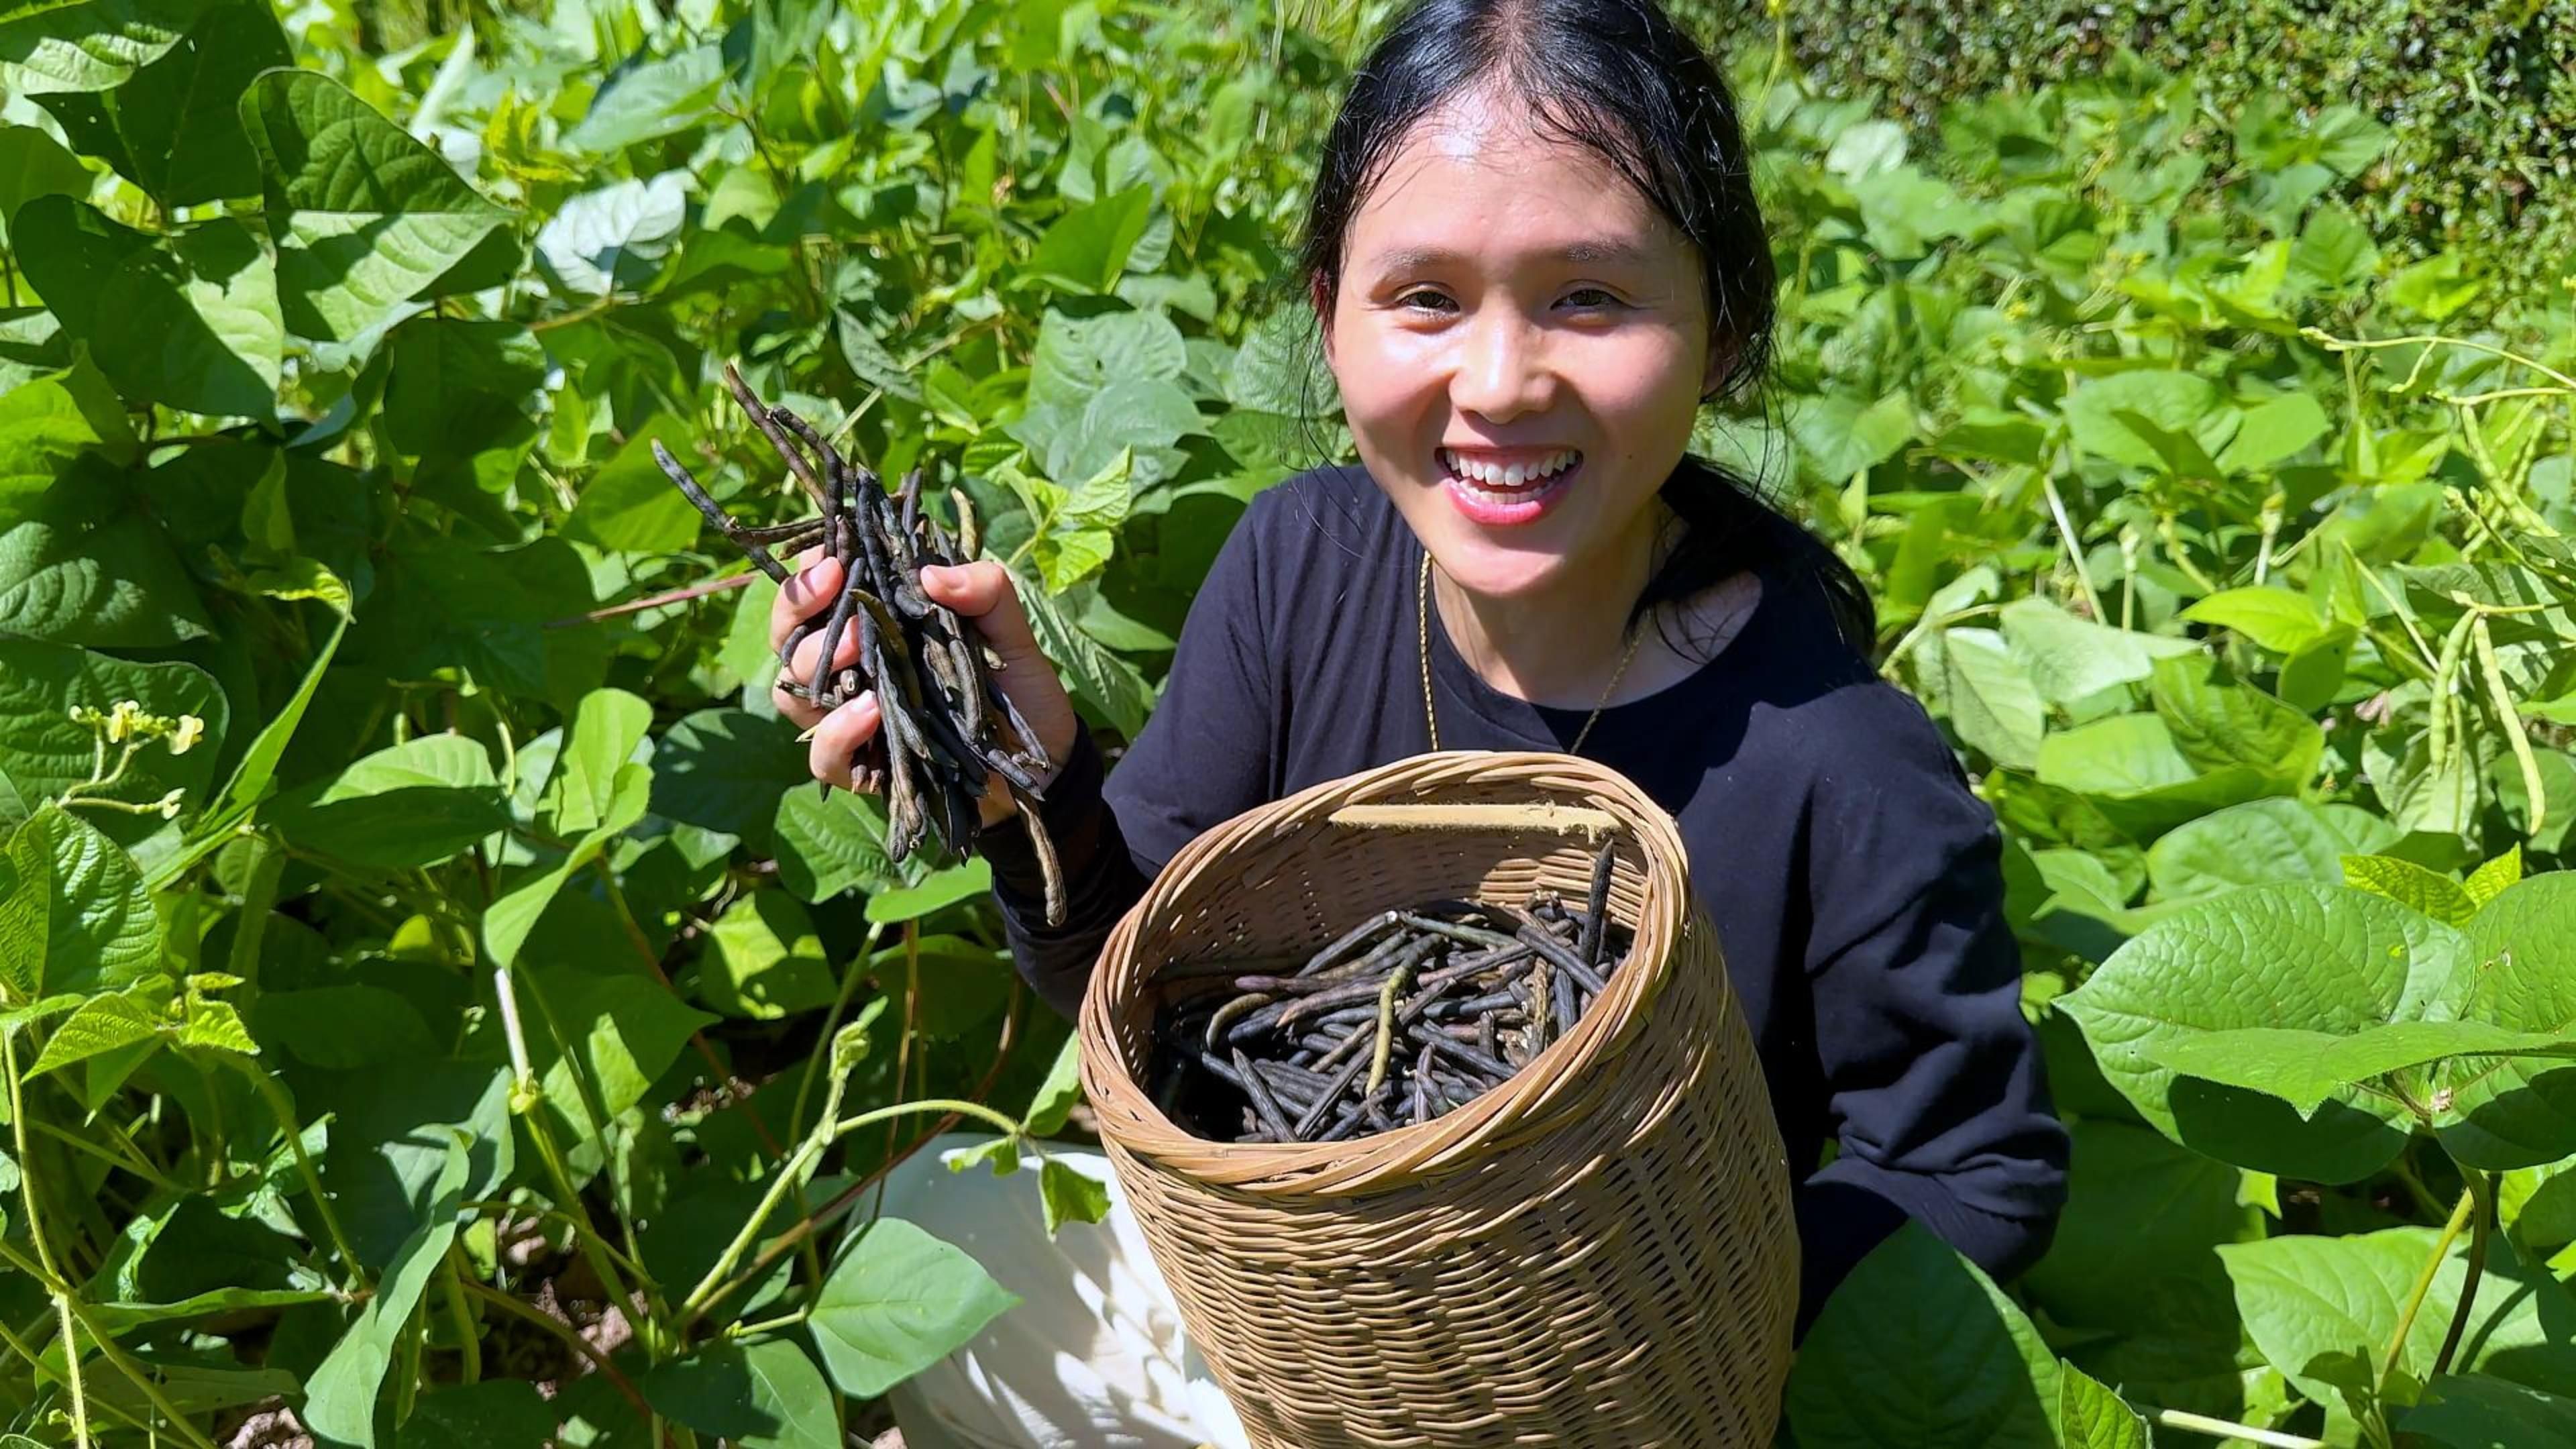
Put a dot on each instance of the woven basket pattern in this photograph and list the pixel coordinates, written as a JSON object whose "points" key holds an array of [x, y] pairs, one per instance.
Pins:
{"points": [[1598, 1252]]}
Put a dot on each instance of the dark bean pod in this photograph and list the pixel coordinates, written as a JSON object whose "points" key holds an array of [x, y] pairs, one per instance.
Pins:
{"points": [[1407, 1015], [946, 727]]}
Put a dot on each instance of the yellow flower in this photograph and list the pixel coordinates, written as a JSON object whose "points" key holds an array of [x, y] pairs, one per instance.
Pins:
{"points": [[190, 730]]}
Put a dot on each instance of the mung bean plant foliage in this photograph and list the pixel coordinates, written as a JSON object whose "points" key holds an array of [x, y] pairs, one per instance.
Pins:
{"points": [[436, 1006]]}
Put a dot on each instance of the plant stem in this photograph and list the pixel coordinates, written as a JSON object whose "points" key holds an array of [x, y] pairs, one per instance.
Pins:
{"points": [[142, 1378], [2424, 1283], [563, 1333], [354, 1277], [37, 1364], [469, 1338], [2221, 1429], [36, 1235], [767, 1325], [2482, 1191], [528, 1103]]}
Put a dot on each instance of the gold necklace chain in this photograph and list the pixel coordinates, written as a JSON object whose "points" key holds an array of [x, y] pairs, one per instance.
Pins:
{"points": [[1422, 646]]}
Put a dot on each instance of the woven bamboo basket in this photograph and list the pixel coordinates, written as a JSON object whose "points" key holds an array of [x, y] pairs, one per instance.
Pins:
{"points": [[1598, 1252]]}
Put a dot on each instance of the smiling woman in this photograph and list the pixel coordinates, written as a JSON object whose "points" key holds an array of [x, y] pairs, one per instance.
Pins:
{"points": [[1534, 252]]}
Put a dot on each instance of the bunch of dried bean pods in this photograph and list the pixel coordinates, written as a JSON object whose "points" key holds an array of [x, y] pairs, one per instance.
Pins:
{"points": [[946, 727], [1407, 1015]]}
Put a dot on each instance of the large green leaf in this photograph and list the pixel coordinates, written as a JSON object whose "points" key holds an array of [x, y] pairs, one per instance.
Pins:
{"points": [[73, 912], [496, 1414], [340, 1398], [366, 219], [1086, 249], [763, 1395], [82, 564], [655, 98], [85, 45], [43, 752], [828, 842], [2323, 1311], [1097, 677], [2259, 842], [34, 164], [897, 1301], [2177, 402], [630, 505], [2135, 1245], [2217, 725], [405, 806], [606, 729], [2475, 1411], [724, 769], [1947, 1358], [2315, 957], [2304, 1068], [2093, 1417], [189, 319], [458, 386], [2072, 659], [2130, 769], [515, 912], [174, 127], [2520, 1113], [1993, 704], [625, 1031]]}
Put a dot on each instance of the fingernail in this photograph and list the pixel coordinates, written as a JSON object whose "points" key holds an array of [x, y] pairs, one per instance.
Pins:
{"points": [[867, 697], [816, 729]]}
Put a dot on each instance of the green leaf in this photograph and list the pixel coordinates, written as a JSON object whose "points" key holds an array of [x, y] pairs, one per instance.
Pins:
{"points": [[2093, 1417], [897, 1301], [2474, 1411], [829, 842], [1097, 677], [2258, 842], [606, 729], [936, 891], [2277, 619], [2073, 659], [614, 237], [2133, 1248], [2411, 886], [34, 164], [73, 912], [514, 913], [764, 961], [629, 505], [2216, 725], [1993, 704], [1948, 1359], [189, 319], [1839, 436], [2304, 1068], [410, 805], [366, 219], [85, 45], [103, 1024], [654, 99], [86, 565], [2273, 431], [2305, 956], [495, 1414], [1087, 248], [2323, 1310], [340, 1398], [2177, 402], [869, 360], [345, 1026], [724, 769], [1055, 1097], [458, 386], [627, 1031], [174, 127], [44, 753], [764, 1395], [1070, 1196], [2495, 877], [2519, 1113]]}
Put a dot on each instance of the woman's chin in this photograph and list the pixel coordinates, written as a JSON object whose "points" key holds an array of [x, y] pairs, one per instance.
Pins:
{"points": [[1493, 573]]}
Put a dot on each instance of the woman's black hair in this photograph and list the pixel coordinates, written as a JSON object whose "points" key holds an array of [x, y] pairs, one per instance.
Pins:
{"points": [[1621, 79]]}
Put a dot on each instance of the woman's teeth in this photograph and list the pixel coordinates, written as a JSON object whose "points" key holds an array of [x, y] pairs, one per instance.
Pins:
{"points": [[1515, 475]]}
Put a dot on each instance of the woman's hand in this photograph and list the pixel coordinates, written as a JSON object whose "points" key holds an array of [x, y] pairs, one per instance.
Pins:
{"points": [[981, 592]]}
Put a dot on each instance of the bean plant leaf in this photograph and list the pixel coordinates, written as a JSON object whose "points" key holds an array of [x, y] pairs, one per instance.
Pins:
{"points": [[2275, 618], [103, 1024], [1070, 1195], [73, 913], [626, 1031], [2520, 1113], [189, 319], [1097, 677], [936, 891], [1950, 1360], [2331, 959], [366, 219], [86, 46], [897, 1301], [2323, 1311], [2476, 1411], [2304, 1068], [1994, 705], [515, 912], [2259, 842], [2411, 886], [494, 1414], [340, 1397], [174, 126], [1056, 1096], [2093, 1417], [1086, 249], [412, 805], [606, 729], [44, 752], [760, 1395]]}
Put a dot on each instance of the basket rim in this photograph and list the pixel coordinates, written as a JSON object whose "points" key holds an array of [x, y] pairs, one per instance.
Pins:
{"points": [[1539, 1096]]}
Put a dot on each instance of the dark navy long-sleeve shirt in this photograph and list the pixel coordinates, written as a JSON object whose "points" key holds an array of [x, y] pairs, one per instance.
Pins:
{"points": [[1853, 879]]}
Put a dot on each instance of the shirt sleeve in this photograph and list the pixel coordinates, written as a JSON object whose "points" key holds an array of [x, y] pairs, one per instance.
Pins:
{"points": [[1206, 754], [1938, 1094]]}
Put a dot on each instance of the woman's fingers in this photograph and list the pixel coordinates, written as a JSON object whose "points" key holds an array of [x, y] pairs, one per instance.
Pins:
{"points": [[982, 592], [808, 592], [837, 738]]}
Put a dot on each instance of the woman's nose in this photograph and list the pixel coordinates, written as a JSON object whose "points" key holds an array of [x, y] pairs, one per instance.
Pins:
{"points": [[1502, 369]]}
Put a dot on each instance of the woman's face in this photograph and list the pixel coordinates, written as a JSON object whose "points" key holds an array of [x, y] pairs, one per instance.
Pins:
{"points": [[1521, 342]]}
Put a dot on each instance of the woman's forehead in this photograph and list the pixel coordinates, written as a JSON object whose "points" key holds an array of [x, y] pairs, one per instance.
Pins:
{"points": [[1480, 174]]}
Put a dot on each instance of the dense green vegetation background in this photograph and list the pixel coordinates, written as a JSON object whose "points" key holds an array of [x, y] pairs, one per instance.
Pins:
{"points": [[426, 974]]}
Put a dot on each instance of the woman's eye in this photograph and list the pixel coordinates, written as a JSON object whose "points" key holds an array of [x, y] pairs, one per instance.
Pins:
{"points": [[1591, 298], [1423, 299]]}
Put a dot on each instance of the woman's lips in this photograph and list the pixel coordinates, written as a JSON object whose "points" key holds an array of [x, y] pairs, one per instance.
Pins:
{"points": [[1502, 496]]}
